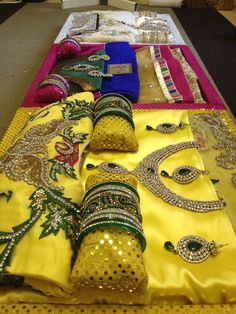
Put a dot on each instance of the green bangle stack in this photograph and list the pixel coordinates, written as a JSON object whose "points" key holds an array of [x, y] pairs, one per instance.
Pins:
{"points": [[113, 105], [112, 204]]}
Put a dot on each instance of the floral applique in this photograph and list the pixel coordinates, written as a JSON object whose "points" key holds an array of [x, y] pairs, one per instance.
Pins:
{"points": [[7, 194], [68, 150], [27, 160]]}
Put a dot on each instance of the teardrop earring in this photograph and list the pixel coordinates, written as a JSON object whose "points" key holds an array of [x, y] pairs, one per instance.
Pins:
{"points": [[96, 73], [184, 174], [94, 58], [167, 127], [193, 249], [110, 167]]}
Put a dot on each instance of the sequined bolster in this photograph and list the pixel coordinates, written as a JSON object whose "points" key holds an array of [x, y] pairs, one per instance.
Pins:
{"points": [[115, 112], [160, 77], [113, 223], [112, 100]]}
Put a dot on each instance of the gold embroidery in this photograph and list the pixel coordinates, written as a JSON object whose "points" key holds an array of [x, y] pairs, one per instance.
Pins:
{"points": [[189, 74], [27, 159]]}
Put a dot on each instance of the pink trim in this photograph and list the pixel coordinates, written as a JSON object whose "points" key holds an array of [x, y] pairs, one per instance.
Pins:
{"points": [[209, 93], [181, 106], [177, 74]]}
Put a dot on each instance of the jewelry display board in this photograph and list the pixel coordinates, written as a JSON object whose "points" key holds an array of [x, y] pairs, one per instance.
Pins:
{"points": [[118, 206]]}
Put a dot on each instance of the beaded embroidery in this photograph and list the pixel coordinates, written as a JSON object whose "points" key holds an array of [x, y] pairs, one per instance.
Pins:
{"points": [[147, 173], [63, 214], [68, 150], [7, 194], [225, 139], [173, 92], [169, 81], [27, 160]]}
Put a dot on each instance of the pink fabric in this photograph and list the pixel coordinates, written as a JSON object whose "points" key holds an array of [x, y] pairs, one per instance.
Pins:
{"points": [[46, 67], [182, 106], [208, 91], [177, 74]]}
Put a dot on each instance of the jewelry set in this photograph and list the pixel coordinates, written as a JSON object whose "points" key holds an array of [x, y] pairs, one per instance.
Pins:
{"points": [[91, 69], [192, 249]]}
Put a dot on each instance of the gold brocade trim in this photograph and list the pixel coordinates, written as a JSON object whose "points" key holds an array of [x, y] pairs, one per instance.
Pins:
{"points": [[189, 74], [160, 76], [20, 118], [25, 308]]}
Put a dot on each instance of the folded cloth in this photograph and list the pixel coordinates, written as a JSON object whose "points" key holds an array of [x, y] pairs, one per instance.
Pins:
{"points": [[40, 190], [123, 65]]}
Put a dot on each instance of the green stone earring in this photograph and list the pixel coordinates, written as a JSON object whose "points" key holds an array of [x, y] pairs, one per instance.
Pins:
{"points": [[193, 249], [167, 128], [184, 174]]}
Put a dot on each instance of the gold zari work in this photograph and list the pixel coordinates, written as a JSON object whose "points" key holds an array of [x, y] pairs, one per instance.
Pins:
{"points": [[117, 262], [27, 159], [189, 74], [150, 89]]}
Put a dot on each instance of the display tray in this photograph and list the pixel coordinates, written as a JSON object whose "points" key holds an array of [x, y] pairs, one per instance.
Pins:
{"points": [[113, 24], [174, 286], [210, 95]]}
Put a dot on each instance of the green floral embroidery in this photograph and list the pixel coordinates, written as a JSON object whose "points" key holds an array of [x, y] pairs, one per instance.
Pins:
{"points": [[63, 214], [58, 166], [7, 194], [11, 280], [76, 110]]}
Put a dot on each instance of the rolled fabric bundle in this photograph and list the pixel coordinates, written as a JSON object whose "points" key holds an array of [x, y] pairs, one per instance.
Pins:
{"points": [[113, 125], [69, 48], [52, 87], [40, 192], [123, 66], [111, 237]]}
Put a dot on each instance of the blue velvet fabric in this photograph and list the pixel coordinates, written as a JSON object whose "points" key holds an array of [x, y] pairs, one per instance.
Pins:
{"points": [[124, 84]]}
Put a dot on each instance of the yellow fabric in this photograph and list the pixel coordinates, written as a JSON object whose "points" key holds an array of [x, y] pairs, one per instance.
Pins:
{"points": [[110, 259], [26, 308], [171, 280], [22, 115], [44, 263], [150, 90], [113, 133], [114, 255], [224, 186]]}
